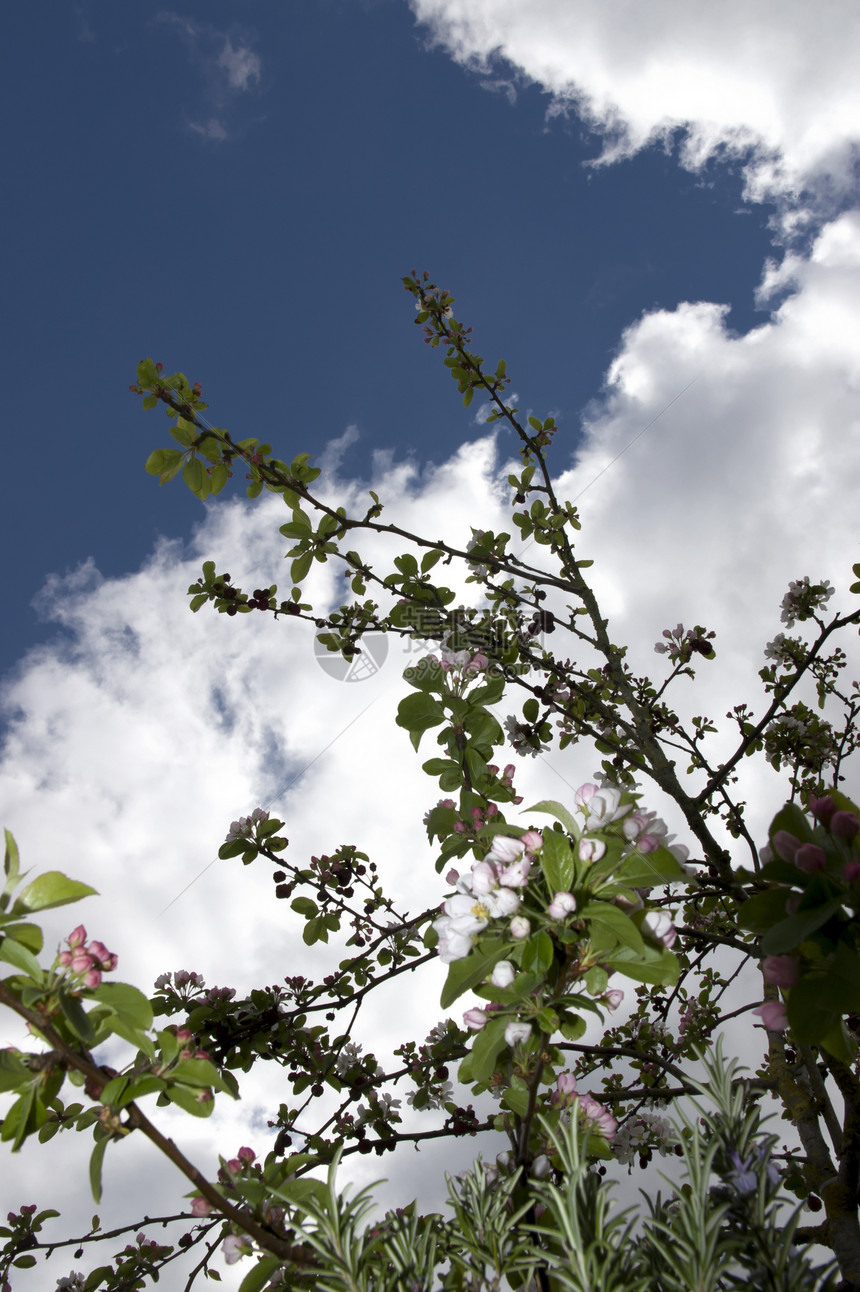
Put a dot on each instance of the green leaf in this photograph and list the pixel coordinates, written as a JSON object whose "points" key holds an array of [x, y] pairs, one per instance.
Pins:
{"points": [[486, 1048], [556, 861], [654, 966], [649, 870], [200, 1073], [560, 812], [29, 935], [49, 890], [258, 1278], [516, 1096], [472, 969], [796, 929], [538, 953], [13, 1073], [127, 1002], [300, 566], [185, 1099], [417, 713], [612, 918], [763, 910], [96, 1167], [16, 954], [793, 819], [76, 1017], [304, 906], [11, 864]]}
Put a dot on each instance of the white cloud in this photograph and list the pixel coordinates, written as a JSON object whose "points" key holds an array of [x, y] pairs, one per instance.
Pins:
{"points": [[776, 80], [211, 129], [139, 734], [242, 65]]}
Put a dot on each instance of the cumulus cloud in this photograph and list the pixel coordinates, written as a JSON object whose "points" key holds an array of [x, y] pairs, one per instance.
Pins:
{"points": [[241, 65], [773, 84]]}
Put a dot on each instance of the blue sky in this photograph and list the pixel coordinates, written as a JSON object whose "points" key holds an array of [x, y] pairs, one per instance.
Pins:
{"points": [[629, 202], [237, 190]]}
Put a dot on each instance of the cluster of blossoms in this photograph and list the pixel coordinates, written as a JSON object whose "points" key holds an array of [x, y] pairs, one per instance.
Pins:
{"points": [[803, 599], [780, 650], [523, 739], [488, 892], [785, 971], [566, 1096], [86, 960], [802, 737], [245, 826], [641, 1134], [235, 1167], [681, 643], [602, 805]]}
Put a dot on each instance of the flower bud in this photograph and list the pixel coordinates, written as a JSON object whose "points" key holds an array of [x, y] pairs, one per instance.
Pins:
{"points": [[822, 809], [844, 825], [809, 858]]}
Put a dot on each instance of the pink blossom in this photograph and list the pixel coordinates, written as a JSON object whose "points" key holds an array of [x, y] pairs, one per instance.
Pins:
{"points": [[452, 876], [851, 871], [772, 1014], [246, 1154], [532, 841], [810, 858], [599, 1116], [516, 1032], [844, 825], [782, 971], [785, 845], [565, 1089], [660, 926], [506, 849], [475, 1019], [604, 807], [92, 978], [81, 962], [562, 905], [585, 794], [591, 849], [77, 937], [613, 998], [517, 874], [200, 1207], [233, 1248], [520, 927]]}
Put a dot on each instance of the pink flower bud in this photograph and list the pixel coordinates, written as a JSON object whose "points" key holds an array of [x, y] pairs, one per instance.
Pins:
{"points": [[200, 1207], [782, 971], [772, 1014], [562, 905], [532, 841], [516, 1032], [92, 978], [785, 845], [613, 998], [77, 937], [246, 1154], [475, 1019], [503, 974], [81, 962], [809, 858], [822, 809], [851, 871], [520, 927], [591, 849], [452, 876], [65, 958], [844, 825]]}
